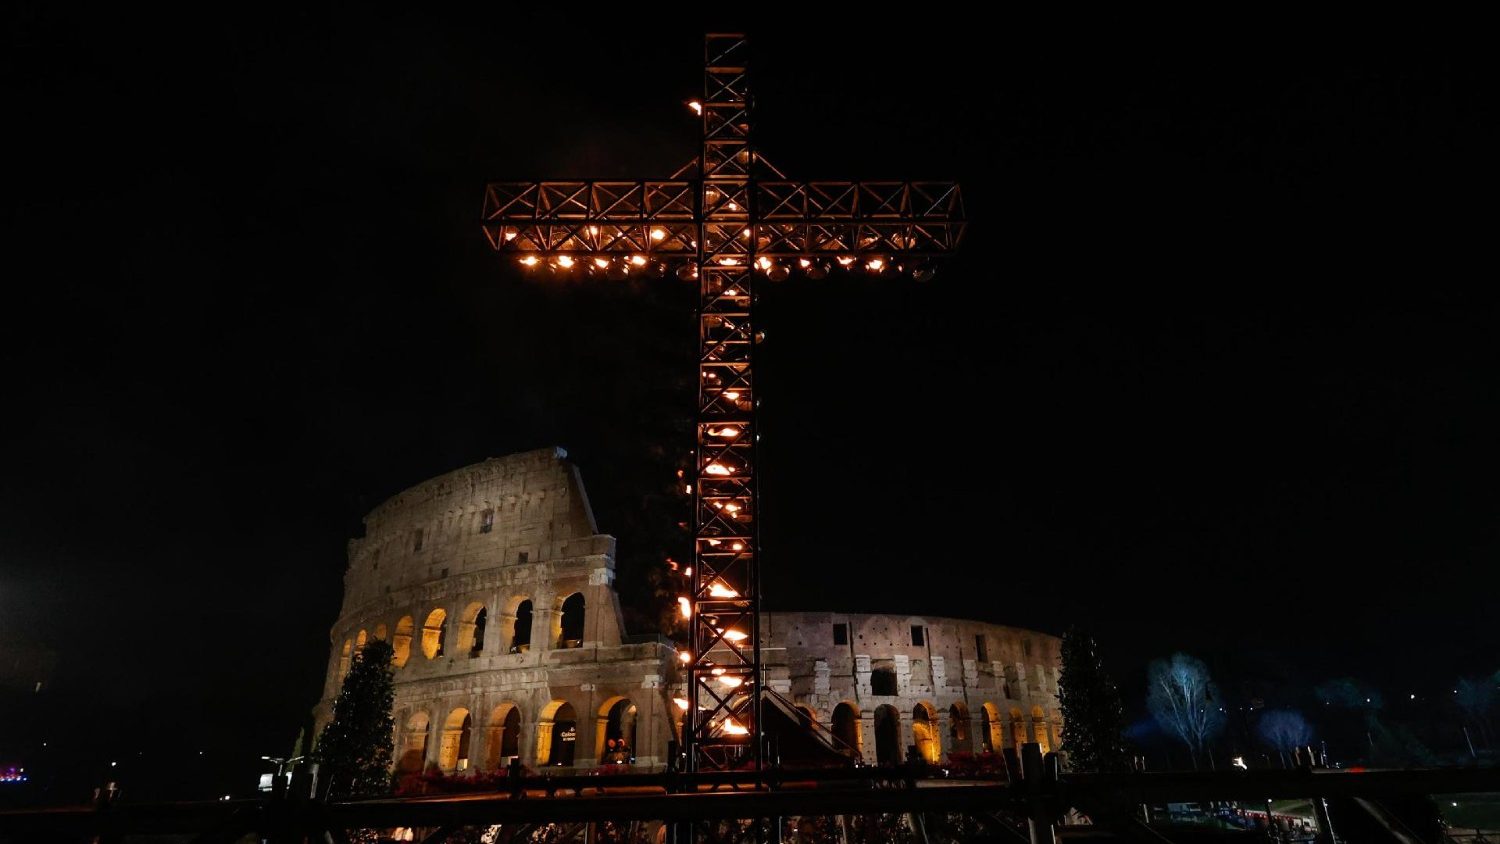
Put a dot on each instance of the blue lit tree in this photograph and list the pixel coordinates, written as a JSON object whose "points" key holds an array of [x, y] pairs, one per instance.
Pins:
{"points": [[1183, 700], [1284, 730], [1476, 696]]}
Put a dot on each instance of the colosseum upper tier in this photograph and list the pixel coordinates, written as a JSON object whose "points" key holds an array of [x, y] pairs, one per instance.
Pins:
{"points": [[495, 588]]}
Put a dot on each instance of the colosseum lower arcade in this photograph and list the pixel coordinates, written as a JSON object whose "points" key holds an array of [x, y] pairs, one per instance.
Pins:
{"points": [[496, 591]]}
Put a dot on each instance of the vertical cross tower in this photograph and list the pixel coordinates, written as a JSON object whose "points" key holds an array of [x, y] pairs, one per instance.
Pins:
{"points": [[736, 218]]}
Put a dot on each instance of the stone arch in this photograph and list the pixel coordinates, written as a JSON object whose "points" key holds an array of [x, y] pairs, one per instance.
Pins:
{"points": [[991, 736], [924, 732], [413, 756], [380, 632], [887, 735], [453, 753], [520, 631], [435, 633], [958, 729], [557, 734], [1039, 728], [846, 728], [1017, 728], [344, 657], [809, 712], [360, 639], [471, 628], [570, 621], [401, 642], [618, 718], [502, 739]]}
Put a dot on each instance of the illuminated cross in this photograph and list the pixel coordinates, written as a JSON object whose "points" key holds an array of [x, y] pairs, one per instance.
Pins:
{"points": [[724, 217]]}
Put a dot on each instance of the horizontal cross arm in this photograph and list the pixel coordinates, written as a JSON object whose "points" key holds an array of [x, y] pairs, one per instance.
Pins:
{"points": [[787, 219]]}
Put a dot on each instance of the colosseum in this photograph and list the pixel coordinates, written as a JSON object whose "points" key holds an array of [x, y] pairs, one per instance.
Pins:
{"points": [[495, 588]]}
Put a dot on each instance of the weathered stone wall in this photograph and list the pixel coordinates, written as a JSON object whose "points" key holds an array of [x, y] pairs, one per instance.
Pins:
{"points": [[519, 528], [971, 703], [494, 535]]}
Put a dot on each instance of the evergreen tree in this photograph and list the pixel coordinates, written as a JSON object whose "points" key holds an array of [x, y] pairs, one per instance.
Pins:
{"points": [[1093, 718], [355, 748]]}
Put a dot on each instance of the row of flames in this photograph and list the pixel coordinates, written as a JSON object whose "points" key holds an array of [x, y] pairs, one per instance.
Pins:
{"points": [[619, 269]]}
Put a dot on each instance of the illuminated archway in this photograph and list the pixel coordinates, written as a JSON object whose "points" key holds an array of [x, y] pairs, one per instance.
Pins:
{"points": [[924, 732], [360, 639], [958, 729], [413, 745], [471, 629], [435, 633], [453, 753], [846, 728], [503, 735], [520, 631], [1039, 728], [887, 735], [557, 735], [1017, 728], [615, 732], [991, 735], [401, 642], [570, 622], [344, 659]]}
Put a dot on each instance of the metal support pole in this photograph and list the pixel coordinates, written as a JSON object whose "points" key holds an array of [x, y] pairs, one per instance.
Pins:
{"points": [[1325, 822]]}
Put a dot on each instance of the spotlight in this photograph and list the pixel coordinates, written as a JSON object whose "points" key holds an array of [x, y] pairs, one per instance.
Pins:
{"points": [[687, 272]]}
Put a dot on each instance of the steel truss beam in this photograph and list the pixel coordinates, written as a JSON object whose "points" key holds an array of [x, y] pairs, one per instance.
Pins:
{"points": [[797, 797], [720, 221]]}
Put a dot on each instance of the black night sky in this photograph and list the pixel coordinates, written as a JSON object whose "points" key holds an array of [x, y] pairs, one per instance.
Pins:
{"points": [[1206, 376]]}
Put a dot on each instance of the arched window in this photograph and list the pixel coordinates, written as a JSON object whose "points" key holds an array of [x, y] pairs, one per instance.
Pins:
{"points": [[434, 632], [453, 754], [958, 728], [401, 642], [572, 622], [990, 736], [1039, 728], [883, 681], [359, 641], [617, 732], [413, 745], [520, 634], [344, 659], [557, 735], [503, 738], [846, 728], [887, 735], [924, 732], [471, 629]]}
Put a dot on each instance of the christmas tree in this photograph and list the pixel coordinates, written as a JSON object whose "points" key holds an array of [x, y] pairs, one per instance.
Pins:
{"points": [[1093, 718], [354, 750]]}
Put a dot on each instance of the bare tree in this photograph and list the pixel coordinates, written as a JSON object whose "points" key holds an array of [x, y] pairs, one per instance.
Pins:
{"points": [[1284, 730], [1183, 700], [1476, 697]]}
